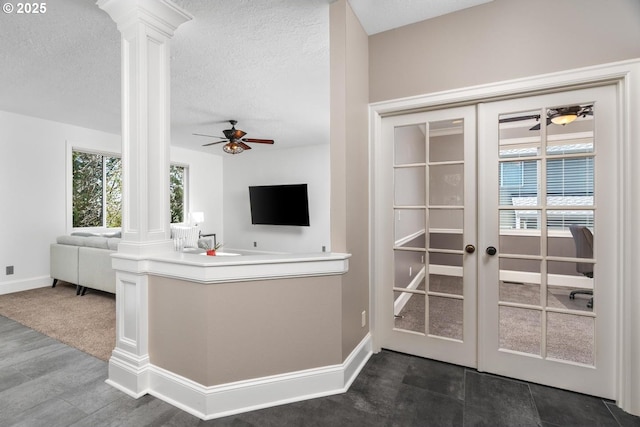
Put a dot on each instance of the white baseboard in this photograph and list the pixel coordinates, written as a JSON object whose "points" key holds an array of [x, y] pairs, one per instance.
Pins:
{"points": [[129, 373], [25, 284], [243, 396]]}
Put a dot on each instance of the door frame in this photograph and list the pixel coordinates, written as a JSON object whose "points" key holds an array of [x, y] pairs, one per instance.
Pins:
{"points": [[625, 75]]}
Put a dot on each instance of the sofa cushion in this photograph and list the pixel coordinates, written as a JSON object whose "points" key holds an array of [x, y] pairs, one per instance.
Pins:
{"points": [[113, 243], [84, 233], [71, 240], [96, 242]]}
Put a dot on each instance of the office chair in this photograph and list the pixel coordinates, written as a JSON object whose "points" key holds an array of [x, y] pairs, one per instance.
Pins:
{"points": [[583, 240]]}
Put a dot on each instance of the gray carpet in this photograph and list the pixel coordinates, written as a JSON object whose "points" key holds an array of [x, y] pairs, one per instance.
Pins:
{"points": [[569, 337]]}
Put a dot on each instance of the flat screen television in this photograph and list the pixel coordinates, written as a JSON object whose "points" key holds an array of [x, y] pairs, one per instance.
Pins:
{"points": [[279, 204]]}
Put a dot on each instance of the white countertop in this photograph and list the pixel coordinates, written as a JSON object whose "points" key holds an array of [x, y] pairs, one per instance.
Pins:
{"points": [[233, 267]]}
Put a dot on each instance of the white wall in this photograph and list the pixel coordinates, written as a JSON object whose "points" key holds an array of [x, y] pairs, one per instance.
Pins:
{"points": [[303, 165], [33, 191]]}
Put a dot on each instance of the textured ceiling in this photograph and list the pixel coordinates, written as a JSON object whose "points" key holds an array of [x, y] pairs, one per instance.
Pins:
{"points": [[264, 63]]}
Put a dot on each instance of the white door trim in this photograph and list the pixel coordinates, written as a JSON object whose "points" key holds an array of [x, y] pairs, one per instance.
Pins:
{"points": [[626, 76]]}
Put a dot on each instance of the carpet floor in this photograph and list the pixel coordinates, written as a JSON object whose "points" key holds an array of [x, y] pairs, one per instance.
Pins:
{"points": [[87, 322]]}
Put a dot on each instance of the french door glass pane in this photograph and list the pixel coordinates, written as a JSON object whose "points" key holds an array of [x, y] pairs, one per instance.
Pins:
{"points": [[409, 186], [445, 284], [570, 337], [519, 219], [409, 311], [446, 141], [445, 317], [445, 260], [569, 289], [520, 329], [570, 182], [574, 137], [446, 185], [520, 242], [569, 230], [408, 267], [445, 241], [520, 281], [409, 144], [409, 228], [446, 219], [520, 134], [519, 184]]}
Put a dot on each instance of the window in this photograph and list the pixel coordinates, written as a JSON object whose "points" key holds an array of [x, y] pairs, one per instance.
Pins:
{"points": [[97, 190], [177, 179]]}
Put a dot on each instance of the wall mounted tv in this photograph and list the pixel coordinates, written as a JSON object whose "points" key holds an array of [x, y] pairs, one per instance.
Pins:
{"points": [[279, 204]]}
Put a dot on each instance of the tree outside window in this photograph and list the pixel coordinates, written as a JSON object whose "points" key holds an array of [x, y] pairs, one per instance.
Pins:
{"points": [[177, 179], [97, 190]]}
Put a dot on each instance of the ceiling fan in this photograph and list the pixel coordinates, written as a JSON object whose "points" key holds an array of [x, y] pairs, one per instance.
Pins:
{"points": [[558, 116], [235, 141]]}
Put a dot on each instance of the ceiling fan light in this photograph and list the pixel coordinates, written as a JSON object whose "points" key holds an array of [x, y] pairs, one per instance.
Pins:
{"points": [[232, 148], [563, 119]]}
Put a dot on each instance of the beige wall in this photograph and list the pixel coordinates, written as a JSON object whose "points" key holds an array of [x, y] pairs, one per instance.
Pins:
{"points": [[501, 40], [350, 165], [220, 333]]}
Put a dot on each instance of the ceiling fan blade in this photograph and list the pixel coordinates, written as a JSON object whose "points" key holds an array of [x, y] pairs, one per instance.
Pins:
{"points": [[537, 127], [214, 143], [259, 141], [233, 133], [519, 118], [209, 136], [243, 145]]}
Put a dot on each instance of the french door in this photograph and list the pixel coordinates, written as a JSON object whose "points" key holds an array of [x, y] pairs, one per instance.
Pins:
{"points": [[427, 181], [510, 268], [548, 198]]}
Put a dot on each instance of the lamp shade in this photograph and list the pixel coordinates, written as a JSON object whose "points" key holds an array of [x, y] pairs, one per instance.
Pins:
{"points": [[196, 217], [564, 115], [232, 148], [563, 119]]}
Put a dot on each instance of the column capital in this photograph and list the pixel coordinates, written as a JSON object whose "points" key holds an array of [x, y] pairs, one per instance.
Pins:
{"points": [[162, 15]]}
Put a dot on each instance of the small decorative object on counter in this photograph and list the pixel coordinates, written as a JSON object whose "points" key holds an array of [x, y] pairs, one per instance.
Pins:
{"points": [[211, 251]]}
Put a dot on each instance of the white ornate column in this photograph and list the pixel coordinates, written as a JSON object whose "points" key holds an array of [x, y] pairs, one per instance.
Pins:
{"points": [[146, 27]]}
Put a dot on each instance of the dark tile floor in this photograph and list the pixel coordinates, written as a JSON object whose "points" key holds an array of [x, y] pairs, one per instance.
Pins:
{"points": [[46, 383]]}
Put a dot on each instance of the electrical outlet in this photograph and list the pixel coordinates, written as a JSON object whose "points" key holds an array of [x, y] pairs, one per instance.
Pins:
{"points": [[324, 249], [9, 270], [255, 244], [364, 318]]}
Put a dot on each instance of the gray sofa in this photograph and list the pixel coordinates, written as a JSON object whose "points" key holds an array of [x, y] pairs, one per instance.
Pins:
{"points": [[85, 261]]}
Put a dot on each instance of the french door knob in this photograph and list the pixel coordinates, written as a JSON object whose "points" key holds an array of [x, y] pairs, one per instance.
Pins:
{"points": [[469, 249], [491, 251]]}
